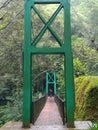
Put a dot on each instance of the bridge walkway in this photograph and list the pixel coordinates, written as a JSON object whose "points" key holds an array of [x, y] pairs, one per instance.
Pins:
{"points": [[49, 119], [50, 114]]}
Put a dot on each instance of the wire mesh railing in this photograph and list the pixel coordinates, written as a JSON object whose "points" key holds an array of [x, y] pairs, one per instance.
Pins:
{"points": [[60, 103], [37, 106]]}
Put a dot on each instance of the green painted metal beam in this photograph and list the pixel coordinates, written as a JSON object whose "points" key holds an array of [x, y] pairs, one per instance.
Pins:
{"points": [[55, 89], [27, 91], [47, 1], [46, 83], [51, 82], [37, 39], [35, 50], [49, 28], [68, 60], [28, 4]]}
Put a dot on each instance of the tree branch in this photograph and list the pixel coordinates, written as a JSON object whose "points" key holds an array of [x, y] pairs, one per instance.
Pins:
{"points": [[5, 4], [12, 20]]}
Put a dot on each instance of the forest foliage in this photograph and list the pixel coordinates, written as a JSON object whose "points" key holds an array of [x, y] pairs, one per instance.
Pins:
{"points": [[84, 34], [87, 107]]}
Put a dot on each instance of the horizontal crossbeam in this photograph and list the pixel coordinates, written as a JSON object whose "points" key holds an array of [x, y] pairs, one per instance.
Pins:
{"points": [[47, 1], [49, 28], [51, 82], [37, 39], [35, 50]]}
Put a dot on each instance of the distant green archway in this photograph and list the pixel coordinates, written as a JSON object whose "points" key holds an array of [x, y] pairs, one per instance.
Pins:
{"points": [[51, 80], [64, 48]]}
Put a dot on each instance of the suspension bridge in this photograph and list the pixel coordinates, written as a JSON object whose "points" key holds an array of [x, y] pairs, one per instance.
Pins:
{"points": [[49, 112], [50, 118]]}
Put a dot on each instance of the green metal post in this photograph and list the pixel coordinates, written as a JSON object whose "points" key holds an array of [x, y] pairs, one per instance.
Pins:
{"points": [[27, 90], [54, 82], [69, 78], [46, 83]]}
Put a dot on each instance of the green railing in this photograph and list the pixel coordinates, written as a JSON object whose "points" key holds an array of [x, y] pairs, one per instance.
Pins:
{"points": [[60, 104], [37, 106]]}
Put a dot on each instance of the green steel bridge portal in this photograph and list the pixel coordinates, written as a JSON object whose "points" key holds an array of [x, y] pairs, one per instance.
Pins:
{"points": [[30, 48]]}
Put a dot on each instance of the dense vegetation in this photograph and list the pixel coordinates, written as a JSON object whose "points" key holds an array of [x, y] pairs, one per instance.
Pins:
{"points": [[84, 31], [87, 106]]}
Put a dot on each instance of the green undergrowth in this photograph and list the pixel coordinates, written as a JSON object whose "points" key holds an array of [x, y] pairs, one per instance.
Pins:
{"points": [[86, 88], [94, 126]]}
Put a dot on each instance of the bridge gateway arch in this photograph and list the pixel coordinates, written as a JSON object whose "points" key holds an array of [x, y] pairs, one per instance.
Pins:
{"points": [[30, 49]]}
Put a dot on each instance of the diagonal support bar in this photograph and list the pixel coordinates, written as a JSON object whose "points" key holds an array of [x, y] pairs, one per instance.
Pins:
{"points": [[50, 78], [49, 28], [37, 39]]}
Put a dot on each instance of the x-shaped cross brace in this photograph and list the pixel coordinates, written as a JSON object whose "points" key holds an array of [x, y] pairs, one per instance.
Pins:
{"points": [[47, 25], [51, 77]]}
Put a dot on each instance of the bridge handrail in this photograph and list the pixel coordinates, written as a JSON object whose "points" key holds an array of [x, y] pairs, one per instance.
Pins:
{"points": [[37, 106], [60, 103]]}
